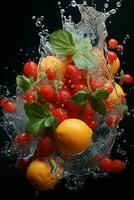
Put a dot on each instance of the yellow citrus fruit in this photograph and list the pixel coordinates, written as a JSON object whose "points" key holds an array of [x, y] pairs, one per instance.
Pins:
{"points": [[40, 176], [115, 65], [51, 62], [73, 136], [113, 97]]}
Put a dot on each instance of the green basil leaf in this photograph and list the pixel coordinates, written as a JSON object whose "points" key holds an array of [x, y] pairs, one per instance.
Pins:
{"points": [[23, 82], [51, 122], [62, 43], [35, 110], [82, 43], [97, 104], [102, 94], [46, 110], [80, 98], [34, 126]]}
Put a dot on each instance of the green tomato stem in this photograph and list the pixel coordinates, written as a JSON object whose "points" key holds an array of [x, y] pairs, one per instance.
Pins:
{"points": [[88, 84]]}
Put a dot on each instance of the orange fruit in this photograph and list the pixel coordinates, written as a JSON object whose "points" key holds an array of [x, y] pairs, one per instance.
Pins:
{"points": [[115, 65], [51, 62], [113, 97], [73, 136], [40, 176]]}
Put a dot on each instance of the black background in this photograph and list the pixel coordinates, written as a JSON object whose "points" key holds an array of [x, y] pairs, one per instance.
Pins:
{"points": [[19, 32]]}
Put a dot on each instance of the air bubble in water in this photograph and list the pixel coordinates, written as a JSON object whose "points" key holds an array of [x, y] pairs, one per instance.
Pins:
{"points": [[106, 5], [42, 18], [118, 4], [73, 3]]}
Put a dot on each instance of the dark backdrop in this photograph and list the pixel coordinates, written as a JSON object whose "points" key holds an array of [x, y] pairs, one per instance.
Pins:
{"points": [[19, 32]]}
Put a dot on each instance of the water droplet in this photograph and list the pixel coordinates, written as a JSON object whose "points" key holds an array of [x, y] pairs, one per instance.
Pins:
{"points": [[42, 26], [84, 3], [38, 23], [40, 34], [106, 5], [33, 17], [62, 11], [73, 3], [42, 18], [128, 114], [37, 193], [118, 4], [113, 11], [59, 3], [122, 131]]}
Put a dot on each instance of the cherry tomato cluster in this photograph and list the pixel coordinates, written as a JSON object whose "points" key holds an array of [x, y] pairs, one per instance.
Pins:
{"points": [[45, 145], [112, 56], [109, 165]]}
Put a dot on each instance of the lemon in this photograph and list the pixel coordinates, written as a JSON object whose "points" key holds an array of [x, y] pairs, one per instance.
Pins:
{"points": [[51, 62], [40, 176], [113, 97], [73, 136], [115, 65]]}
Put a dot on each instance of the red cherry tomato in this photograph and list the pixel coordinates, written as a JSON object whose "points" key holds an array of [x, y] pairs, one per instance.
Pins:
{"points": [[45, 147], [64, 96], [112, 120], [106, 164], [51, 74], [22, 138], [127, 78], [10, 107], [93, 124], [3, 102], [112, 43], [112, 56], [29, 97], [47, 92], [30, 69], [118, 166]]}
